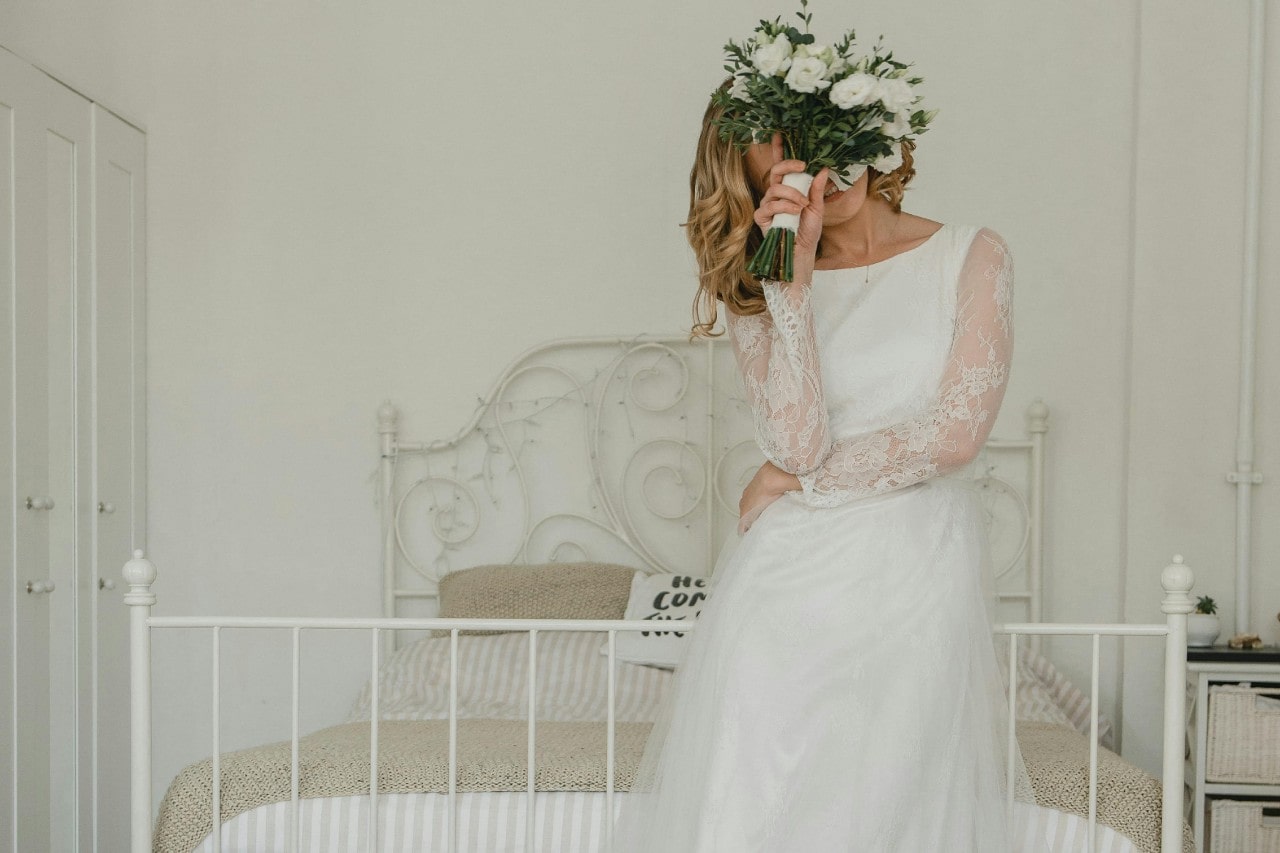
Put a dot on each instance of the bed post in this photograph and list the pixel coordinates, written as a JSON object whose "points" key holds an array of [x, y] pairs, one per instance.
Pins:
{"points": [[1177, 581], [1037, 426], [388, 426], [139, 573]]}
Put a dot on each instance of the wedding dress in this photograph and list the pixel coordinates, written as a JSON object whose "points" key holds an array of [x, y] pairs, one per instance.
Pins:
{"points": [[841, 690]]}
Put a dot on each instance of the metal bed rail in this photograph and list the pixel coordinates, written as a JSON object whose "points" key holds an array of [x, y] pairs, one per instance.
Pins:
{"points": [[140, 574]]}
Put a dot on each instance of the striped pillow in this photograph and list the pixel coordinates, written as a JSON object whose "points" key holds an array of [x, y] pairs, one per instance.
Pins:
{"points": [[493, 680]]}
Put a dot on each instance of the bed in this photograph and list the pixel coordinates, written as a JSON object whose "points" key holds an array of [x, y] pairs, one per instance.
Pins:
{"points": [[591, 468]]}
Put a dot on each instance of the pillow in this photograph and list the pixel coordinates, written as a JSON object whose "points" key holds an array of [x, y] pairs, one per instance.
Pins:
{"points": [[493, 680], [1044, 695], [540, 591], [660, 597]]}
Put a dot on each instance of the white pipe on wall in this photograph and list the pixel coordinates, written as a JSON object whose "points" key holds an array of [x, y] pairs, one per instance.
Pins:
{"points": [[1244, 476]]}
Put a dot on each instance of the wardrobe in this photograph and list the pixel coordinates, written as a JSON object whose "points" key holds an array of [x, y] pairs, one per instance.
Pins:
{"points": [[72, 427]]}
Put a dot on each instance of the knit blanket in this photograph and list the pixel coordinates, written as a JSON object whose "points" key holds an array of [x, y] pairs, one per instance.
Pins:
{"points": [[1057, 760], [413, 756]]}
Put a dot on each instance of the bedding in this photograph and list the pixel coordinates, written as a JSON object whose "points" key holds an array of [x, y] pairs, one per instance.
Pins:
{"points": [[569, 822], [572, 677], [491, 700], [540, 591], [570, 757], [660, 598]]}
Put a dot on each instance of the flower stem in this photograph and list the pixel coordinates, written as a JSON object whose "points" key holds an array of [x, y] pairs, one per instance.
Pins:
{"points": [[775, 259]]}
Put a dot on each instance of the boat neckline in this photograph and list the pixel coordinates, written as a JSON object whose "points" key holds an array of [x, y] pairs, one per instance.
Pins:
{"points": [[927, 241]]}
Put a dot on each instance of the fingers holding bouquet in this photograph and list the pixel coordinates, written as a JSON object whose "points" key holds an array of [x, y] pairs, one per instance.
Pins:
{"points": [[796, 194]]}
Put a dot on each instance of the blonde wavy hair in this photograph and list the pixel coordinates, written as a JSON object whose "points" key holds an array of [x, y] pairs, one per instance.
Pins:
{"points": [[721, 227]]}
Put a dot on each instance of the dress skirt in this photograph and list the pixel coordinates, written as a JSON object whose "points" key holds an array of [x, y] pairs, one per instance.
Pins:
{"points": [[840, 691]]}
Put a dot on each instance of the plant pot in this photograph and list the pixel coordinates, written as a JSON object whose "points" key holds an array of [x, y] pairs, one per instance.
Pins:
{"points": [[1202, 629]]}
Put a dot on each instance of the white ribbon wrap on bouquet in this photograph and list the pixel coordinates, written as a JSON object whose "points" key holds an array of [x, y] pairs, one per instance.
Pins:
{"points": [[796, 180], [802, 181]]}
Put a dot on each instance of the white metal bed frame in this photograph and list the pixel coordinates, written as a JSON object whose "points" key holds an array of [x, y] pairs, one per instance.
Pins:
{"points": [[699, 430]]}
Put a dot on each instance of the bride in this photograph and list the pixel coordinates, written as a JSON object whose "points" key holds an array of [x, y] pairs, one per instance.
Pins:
{"points": [[841, 691]]}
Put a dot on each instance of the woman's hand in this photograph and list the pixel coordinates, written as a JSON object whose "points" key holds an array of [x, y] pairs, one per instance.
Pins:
{"points": [[780, 198], [768, 484]]}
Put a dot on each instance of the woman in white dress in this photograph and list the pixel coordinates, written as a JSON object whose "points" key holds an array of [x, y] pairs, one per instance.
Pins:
{"points": [[841, 690]]}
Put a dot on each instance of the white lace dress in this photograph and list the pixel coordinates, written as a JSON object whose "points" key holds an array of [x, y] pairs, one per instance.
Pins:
{"points": [[841, 690]]}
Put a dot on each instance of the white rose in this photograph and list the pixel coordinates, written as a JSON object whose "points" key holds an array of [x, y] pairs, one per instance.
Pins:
{"points": [[817, 51], [854, 91], [773, 57], [899, 127], [806, 75], [834, 62], [895, 93], [889, 162], [739, 89]]}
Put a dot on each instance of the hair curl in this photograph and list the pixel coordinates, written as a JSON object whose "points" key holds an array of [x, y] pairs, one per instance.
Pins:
{"points": [[721, 226]]}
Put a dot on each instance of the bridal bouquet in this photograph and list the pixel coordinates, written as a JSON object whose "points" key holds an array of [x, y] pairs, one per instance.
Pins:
{"points": [[832, 108]]}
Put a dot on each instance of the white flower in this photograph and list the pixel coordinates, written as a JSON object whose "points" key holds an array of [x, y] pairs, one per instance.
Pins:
{"points": [[854, 91], [899, 127], [772, 58], [806, 74], [739, 89], [889, 162], [895, 93], [835, 62]]}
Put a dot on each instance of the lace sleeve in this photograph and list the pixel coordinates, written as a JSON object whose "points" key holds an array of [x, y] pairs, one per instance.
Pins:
{"points": [[948, 434], [777, 356]]}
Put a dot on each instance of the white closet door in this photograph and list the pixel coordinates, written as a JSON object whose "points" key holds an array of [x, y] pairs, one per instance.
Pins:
{"points": [[68, 149], [8, 503], [118, 399], [52, 265]]}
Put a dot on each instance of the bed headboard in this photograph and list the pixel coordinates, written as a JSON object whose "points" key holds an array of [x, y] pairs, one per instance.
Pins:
{"points": [[632, 451]]}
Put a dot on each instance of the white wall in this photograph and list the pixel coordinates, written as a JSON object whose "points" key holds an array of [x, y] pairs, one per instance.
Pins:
{"points": [[352, 202]]}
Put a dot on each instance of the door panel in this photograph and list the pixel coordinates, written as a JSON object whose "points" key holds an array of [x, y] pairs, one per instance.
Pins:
{"points": [[118, 394], [8, 588], [50, 167], [31, 463]]}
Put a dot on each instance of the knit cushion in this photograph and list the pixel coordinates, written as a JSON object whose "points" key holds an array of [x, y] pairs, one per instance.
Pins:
{"points": [[541, 591]]}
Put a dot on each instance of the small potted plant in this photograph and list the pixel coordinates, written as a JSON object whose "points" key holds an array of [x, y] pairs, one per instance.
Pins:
{"points": [[1202, 625]]}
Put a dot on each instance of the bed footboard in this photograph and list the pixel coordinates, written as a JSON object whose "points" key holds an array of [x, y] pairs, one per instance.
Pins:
{"points": [[140, 574]]}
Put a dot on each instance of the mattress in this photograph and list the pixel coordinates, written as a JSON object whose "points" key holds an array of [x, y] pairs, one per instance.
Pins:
{"points": [[564, 822]]}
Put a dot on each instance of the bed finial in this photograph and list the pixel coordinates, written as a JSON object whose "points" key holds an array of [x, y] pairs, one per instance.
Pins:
{"points": [[1038, 416], [388, 415], [140, 574], [1177, 580]]}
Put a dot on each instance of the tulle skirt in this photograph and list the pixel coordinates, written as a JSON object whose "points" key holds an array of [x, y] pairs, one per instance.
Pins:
{"points": [[841, 690]]}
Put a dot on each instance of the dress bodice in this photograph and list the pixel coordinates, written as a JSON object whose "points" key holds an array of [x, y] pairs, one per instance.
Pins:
{"points": [[884, 334], [865, 381]]}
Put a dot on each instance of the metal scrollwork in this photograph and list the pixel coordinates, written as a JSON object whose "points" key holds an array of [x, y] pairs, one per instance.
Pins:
{"points": [[636, 447]]}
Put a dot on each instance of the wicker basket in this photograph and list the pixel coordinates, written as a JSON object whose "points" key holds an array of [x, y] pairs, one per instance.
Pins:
{"points": [[1237, 826], [1244, 734]]}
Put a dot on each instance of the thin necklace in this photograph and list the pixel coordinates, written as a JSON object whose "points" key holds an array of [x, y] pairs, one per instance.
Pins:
{"points": [[867, 279]]}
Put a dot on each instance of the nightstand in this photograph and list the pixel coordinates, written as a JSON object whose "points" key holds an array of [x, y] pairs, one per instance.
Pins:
{"points": [[1207, 667]]}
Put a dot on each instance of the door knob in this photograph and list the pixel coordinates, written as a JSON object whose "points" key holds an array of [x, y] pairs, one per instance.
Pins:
{"points": [[40, 503], [40, 587], [104, 583], [106, 507]]}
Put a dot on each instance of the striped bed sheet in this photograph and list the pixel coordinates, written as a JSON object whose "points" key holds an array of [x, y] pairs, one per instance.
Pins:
{"points": [[565, 822]]}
